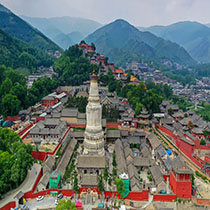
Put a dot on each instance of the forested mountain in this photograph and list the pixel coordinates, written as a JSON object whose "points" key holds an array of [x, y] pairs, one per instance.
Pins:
{"points": [[193, 36], [15, 26], [16, 53], [120, 39], [64, 31]]}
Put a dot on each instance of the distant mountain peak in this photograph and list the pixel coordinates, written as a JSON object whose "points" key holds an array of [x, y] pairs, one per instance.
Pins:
{"points": [[192, 35], [123, 43]]}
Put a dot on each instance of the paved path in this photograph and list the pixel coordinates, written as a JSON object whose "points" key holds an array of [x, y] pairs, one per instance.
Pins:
{"points": [[148, 203], [33, 204]]}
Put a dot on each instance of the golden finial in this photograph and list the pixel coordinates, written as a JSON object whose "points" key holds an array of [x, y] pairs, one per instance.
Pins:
{"points": [[94, 76], [94, 72]]}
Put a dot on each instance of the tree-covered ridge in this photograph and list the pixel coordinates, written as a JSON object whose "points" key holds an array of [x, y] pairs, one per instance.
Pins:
{"points": [[14, 95], [16, 53], [15, 160], [15, 26], [73, 68]]}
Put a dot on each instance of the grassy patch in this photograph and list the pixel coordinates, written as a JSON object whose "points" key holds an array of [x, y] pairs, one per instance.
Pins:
{"points": [[24, 71]]}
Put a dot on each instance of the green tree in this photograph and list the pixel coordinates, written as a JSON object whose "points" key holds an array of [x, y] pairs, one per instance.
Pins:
{"points": [[114, 172], [110, 181], [5, 87], [202, 142], [170, 111], [138, 108], [93, 46], [206, 133], [15, 160], [100, 184], [21, 92], [65, 205], [27, 60], [76, 187], [114, 163], [106, 173], [10, 105], [120, 186]]}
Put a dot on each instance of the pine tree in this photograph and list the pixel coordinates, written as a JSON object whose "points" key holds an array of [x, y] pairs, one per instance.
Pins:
{"points": [[106, 173], [76, 187], [114, 163], [101, 184]]}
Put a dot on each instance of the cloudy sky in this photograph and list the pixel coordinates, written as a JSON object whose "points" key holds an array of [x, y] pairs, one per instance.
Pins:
{"points": [[137, 12]]}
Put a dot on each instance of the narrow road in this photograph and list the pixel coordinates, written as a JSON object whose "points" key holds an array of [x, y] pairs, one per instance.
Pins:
{"points": [[189, 162]]}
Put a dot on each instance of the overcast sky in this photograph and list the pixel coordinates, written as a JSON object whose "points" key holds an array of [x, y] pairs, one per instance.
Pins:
{"points": [[137, 12]]}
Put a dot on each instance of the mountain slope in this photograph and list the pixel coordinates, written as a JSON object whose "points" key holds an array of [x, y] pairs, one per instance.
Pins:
{"points": [[71, 29], [193, 36], [15, 26], [16, 53], [121, 36]]}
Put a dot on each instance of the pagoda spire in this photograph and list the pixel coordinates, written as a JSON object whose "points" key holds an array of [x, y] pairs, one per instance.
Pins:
{"points": [[94, 135]]}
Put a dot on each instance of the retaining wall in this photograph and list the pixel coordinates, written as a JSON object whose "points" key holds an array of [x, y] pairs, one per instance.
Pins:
{"points": [[164, 197]]}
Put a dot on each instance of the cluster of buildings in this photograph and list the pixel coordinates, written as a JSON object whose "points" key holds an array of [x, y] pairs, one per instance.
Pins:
{"points": [[92, 144], [56, 53], [40, 73], [139, 155], [196, 93], [187, 131]]}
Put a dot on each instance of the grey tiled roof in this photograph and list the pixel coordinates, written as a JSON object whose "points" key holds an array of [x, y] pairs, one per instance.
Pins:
{"points": [[89, 180], [66, 157], [113, 134], [180, 167], [69, 112], [44, 179], [142, 161], [153, 140], [91, 162], [134, 140], [156, 174]]}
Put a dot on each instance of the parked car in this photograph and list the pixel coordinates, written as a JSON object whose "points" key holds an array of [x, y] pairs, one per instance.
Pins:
{"points": [[39, 198], [60, 196], [56, 201]]}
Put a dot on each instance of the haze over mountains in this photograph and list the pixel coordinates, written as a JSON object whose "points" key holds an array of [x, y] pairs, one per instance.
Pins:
{"points": [[123, 43], [182, 42], [193, 36], [15, 26], [64, 31]]}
